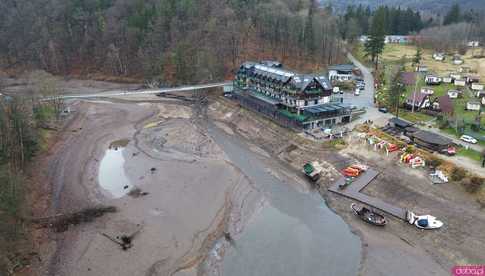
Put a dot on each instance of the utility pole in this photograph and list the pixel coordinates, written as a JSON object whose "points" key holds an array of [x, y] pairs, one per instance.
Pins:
{"points": [[414, 92]]}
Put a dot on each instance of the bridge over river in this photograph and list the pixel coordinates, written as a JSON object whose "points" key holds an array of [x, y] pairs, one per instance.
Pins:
{"points": [[115, 93]]}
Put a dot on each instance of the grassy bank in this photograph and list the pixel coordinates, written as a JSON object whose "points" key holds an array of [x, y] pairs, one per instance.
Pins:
{"points": [[470, 153]]}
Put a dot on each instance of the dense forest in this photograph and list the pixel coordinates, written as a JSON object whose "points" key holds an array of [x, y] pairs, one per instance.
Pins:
{"points": [[176, 41], [396, 21], [427, 6]]}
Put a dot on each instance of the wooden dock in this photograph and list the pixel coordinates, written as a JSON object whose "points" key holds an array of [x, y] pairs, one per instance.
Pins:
{"points": [[353, 191]]}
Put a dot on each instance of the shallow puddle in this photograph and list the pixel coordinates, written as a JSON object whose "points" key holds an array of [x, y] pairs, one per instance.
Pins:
{"points": [[111, 176]]}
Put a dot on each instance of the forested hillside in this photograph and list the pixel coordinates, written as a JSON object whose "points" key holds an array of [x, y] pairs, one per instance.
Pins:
{"points": [[430, 6], [176, 41], [396, 21]]}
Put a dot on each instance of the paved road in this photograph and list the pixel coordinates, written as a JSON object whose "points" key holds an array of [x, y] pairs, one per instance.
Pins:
{"points": [[115, 93], [366, 98], [457, 141]]}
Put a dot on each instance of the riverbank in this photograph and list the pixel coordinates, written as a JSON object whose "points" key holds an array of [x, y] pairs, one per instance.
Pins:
{"points": [[193, 192], [435, 251], [184, 179], [190, 195]]}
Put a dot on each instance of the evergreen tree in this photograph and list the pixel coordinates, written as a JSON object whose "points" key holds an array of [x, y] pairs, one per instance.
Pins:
{"points": [[417, 58], [453, 15], [308, 34], [397, 87], [375, 44]]}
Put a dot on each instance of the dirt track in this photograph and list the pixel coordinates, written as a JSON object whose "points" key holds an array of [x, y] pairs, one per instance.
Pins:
{"points": [[176, 232]]}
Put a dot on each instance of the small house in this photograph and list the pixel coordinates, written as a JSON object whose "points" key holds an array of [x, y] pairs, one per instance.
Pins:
{"points": [[341, 72], [460, 82], [432, 80], [430, 140], [447, 79], [408, 78], [477, 87], [453, 94], [481, 96], [397, 39], [422, 68], [464, 69], [427, 91], [439, 56], [473, 106], [399, 123], [472, 78], [444, 105], [457, 60], [473, 44], [364, 38], [418, 100], [455, 76]]}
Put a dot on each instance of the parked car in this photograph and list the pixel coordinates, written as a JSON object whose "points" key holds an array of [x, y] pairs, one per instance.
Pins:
{"points": [[383, 110], [468, 139], [450, 151], [357, 92]]}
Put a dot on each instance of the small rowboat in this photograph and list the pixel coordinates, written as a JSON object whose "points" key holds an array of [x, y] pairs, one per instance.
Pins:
{"points": [[368, 215], [313, 170]]}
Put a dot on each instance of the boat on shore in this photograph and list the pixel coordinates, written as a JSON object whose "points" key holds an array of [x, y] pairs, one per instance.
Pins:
{"points": [[427, 222], [368, 215], [312, 170]]}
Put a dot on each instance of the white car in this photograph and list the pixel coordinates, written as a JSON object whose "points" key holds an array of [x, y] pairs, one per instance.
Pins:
{"points": [[468, 139]]}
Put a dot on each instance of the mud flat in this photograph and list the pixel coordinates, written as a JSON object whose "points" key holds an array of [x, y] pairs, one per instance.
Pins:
{"points": [[221, 194], [184, 192], [181, 186]]}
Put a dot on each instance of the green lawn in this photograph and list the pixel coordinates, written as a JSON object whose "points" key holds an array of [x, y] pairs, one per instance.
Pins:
{"points": [[470, 153], [358, 53], [459, 104], [415, 117], [452, 131]]}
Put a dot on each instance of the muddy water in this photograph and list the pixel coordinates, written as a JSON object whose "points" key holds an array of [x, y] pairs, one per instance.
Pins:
{"points": [[112, 177], [294, 234]]}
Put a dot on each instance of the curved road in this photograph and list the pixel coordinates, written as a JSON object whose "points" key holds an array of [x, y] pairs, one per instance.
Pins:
{"points": [[366, 98]]}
